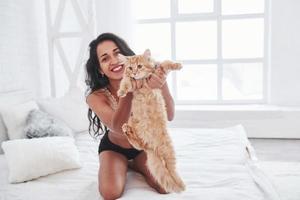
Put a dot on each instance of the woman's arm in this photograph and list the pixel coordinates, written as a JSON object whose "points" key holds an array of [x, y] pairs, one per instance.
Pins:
{"points": [[113, 119], [169, 101], [121, 115], [158, 81]]}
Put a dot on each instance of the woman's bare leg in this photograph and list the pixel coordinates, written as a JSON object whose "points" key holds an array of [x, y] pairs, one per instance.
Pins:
{"points": [[112, 174]]}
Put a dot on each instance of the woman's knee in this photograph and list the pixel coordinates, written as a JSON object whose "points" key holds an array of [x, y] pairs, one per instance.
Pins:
{"points": [[112, 175], [111, 191]]}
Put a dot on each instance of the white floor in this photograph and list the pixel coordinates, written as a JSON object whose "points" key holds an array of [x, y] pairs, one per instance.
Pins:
{"points": [[277, 149]]}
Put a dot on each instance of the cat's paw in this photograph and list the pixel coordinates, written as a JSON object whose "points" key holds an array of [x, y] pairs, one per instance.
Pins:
{"points": [[176, 66], [169, 65], [126, 129], [121, 93]]}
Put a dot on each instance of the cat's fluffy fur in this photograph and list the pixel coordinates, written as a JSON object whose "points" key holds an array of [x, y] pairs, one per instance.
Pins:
{"points": [[147, 126]]}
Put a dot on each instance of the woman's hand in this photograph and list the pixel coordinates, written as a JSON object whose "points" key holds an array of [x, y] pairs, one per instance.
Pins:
{"points": [[157, 79]]}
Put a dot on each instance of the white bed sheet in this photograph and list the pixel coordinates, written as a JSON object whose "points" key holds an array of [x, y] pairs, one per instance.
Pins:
{"points": [[285, 176], [214, 164]]}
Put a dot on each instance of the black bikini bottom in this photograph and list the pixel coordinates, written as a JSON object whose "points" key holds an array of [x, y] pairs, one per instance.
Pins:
{"points": [[107, 145]]}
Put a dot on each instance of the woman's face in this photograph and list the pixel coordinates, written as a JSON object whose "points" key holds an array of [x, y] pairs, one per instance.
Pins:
{"points": [[107, 52]]}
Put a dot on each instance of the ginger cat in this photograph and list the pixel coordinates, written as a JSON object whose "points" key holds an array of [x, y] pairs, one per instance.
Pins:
{"points": [[147, 126]]}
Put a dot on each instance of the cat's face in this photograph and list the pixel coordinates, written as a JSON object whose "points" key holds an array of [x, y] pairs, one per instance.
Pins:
{"points": [[138, 66]]}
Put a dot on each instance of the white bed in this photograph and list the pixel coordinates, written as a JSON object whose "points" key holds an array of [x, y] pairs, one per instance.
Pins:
{"points": [[285, 176], [216, 164]]}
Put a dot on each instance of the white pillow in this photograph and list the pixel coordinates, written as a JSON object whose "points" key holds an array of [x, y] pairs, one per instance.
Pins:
{"points": [[32, 158], [11, 98], [3, 133], [14, 117], [71, 109]]}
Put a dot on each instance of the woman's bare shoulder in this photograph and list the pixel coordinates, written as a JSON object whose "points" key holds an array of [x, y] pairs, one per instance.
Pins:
{"points": [[96, 96]]}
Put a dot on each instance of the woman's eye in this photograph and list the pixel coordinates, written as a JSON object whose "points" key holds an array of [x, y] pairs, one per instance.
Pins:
{"points": [[130, 68], [139, 66], [104, 59]]}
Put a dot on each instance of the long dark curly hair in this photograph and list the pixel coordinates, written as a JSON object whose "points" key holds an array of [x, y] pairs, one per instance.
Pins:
{"points": [[94, 80]]}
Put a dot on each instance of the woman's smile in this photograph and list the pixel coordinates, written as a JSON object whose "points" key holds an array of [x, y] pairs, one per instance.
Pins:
{"points": [[117, 68]]}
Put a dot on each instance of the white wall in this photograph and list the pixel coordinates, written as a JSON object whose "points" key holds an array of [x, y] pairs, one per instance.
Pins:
{"points": [[22, 60], [285, 52], [259, 121], [24, 64], [115, 16]]}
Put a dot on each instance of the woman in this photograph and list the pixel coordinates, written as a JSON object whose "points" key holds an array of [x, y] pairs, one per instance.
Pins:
{"points": [[107, 114]]}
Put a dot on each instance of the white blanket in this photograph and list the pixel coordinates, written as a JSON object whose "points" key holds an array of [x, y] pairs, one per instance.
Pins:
{"points": [[215, 164]]}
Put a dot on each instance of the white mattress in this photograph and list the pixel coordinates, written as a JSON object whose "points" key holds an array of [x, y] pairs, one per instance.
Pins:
{"points": [[214, 164]]}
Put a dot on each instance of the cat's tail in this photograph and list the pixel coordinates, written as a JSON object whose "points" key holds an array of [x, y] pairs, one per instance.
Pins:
{"points": [[163, 169]]}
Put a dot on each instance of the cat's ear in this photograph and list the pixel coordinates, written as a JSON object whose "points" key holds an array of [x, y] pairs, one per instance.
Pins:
{"points": [[122, 58], [147, 54]]}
